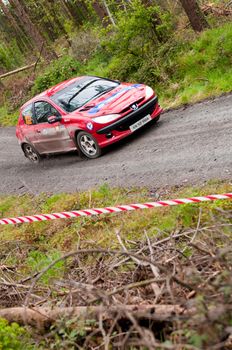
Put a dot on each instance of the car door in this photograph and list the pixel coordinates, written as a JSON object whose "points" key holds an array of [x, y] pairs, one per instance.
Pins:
{"points": [[50, 138]]}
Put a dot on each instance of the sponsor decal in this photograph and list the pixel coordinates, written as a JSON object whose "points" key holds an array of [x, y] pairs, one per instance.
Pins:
{"points": [[89, 126], [28, 120], [99, 106], [49, 132]]}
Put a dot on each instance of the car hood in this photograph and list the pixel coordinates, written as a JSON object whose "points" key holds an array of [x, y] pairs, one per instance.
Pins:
{"points": [[113, 102]]}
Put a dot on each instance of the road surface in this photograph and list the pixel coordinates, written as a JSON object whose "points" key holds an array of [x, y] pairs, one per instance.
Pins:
{"points": [[187, 146]]}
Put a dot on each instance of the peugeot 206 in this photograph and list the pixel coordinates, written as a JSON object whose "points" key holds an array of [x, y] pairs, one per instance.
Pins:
{"points": [[86, 114]]}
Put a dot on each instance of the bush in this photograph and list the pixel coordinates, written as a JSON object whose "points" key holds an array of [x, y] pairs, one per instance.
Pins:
{"points": [[135, 39], [13, 337], [36, 261], [10, 56], [84, 44], [211, 52], [62, 69]]}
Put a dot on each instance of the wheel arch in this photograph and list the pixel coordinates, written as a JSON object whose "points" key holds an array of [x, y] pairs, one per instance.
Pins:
{"points": [[76, 132], [27, 143], [79, 148]]}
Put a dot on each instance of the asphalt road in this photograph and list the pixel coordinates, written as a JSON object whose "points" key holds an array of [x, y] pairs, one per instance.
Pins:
{"points": [[187, 146]]}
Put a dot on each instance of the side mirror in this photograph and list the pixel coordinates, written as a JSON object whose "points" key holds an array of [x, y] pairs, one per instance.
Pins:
{"points": [[54, 118]]}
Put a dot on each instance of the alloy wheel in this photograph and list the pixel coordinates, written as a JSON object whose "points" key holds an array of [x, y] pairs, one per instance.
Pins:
{"points": [[88, 145], [31, 154]]}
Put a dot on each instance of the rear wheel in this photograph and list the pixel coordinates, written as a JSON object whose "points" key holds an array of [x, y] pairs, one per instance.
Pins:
{"points": [[31, 153], [88, 145]]}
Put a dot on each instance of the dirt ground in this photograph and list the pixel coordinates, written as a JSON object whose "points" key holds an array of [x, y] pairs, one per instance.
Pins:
{"points": [[188, 146]]}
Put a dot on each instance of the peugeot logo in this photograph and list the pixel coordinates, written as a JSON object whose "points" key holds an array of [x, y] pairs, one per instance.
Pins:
{"points": [[134, 107]]}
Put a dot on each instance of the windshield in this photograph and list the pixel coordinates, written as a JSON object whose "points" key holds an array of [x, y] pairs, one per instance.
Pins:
{"points": [[79, 93]]}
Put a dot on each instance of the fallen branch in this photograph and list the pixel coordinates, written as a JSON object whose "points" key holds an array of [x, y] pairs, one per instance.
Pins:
{"points": [[217, 10], [18, 70], [42, 317]]}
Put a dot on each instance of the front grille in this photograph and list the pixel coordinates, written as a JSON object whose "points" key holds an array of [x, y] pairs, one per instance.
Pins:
{"points": [[125, 122], [126, 125], [128, 109]]}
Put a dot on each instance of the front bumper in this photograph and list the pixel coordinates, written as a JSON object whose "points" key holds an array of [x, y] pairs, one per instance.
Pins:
{"points": [[121, 128], [124, 123]]}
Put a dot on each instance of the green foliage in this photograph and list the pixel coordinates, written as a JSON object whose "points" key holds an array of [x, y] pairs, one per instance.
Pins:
{"points": [[203, 68], [180, 69], [84, 44], [13, 337], [212, 52], [62, 69], [37, 260], [10, 55], [67, 333], [143, 47], [66, 235], [8, 118], [134, 38]]}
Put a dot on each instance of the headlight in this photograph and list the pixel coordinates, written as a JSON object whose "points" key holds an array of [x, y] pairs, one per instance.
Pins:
{"points": [[149, 92], [106, 118]]}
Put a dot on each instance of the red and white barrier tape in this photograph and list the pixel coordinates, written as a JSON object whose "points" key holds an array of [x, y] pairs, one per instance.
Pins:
{"points": [[109, 210]]}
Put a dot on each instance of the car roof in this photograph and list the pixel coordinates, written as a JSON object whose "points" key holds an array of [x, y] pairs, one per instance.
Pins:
{"points": [[52, 90]]}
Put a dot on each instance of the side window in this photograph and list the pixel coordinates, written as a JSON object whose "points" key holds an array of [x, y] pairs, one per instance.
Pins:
{"points": [[43, 110], [27, 114]]}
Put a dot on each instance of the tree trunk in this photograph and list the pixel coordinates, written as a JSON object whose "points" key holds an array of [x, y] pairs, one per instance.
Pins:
{"points": [[66, 9], [195, 15], [101, 12], [19, 34], [76, 14], [32, 29], [111, 18]]}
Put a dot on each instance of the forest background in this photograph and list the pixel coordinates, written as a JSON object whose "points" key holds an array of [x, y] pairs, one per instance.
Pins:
{"points": [[182, 48]]}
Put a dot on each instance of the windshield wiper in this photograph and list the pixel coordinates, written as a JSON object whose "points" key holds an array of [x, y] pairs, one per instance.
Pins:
{"points": [[83, 88], [67, 104], [103, 92]]}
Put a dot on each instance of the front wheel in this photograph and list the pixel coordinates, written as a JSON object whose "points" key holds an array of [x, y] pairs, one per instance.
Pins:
{"points": [[88, 145], [31, 153]]}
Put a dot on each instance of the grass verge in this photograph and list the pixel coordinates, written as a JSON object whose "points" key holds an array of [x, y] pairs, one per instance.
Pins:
{"points": [[8, 118]]}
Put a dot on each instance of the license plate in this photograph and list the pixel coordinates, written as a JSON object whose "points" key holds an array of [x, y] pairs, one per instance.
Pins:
{"points": [[140, 123]]}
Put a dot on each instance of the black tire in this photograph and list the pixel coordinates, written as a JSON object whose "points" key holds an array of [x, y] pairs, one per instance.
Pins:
{"points": [[88, 145], [31, 154]]}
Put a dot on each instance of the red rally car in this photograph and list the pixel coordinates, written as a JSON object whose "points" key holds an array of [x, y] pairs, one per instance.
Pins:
{"points": [[86, 114]]}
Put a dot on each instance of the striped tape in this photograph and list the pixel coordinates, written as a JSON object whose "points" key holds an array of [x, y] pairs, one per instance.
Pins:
{"points": [[109, 210]]}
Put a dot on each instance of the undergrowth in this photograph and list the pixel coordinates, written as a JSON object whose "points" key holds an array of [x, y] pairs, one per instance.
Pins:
{"points": [[190, 242], [46, 240], [14, 337], [8, 118]]}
